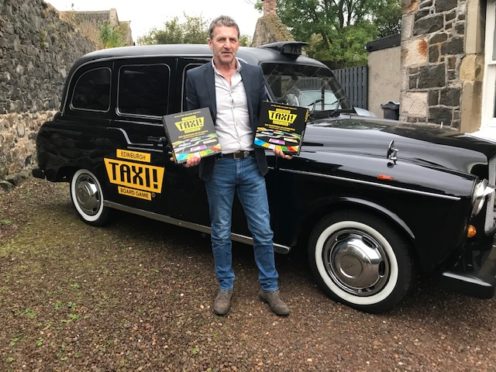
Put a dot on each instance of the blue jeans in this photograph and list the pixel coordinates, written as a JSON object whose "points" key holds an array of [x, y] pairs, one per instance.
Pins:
{"points": [[240, 176]]}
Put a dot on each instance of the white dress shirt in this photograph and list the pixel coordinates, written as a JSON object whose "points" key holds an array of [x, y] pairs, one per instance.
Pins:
{"points": [[233, 121]]}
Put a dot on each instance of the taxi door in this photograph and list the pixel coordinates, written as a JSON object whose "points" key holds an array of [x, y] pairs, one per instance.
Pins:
{"points": [[141, 174], [190, 200]]}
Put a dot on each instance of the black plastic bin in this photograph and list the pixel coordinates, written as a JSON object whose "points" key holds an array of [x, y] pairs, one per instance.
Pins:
{"points": [[391, 110]]}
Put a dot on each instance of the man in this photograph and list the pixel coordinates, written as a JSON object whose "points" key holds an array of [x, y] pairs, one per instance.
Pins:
{"points": [[233, 91]]}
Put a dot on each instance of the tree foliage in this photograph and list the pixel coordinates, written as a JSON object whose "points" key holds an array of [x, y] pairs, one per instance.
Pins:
{"points": [[389, 19], [338, 30], [110, 36], [194, 30]]}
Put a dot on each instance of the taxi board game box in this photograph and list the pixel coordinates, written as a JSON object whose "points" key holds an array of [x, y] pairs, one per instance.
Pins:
{"points": [[281, 126], [191, 133]]}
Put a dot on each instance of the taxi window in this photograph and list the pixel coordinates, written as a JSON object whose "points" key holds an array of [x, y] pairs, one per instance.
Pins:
{"points": [[143, 90], [304, 85], [92, 90]]}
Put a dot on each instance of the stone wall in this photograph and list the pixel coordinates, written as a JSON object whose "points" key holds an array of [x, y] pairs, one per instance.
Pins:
{"points": [[37, 50], [18, 146], [433, 49]]}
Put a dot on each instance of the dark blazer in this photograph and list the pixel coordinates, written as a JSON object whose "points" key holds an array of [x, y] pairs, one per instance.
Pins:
{"points": [[200, 92]]}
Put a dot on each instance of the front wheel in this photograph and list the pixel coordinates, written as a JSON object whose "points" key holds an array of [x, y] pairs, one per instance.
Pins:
{"points": [[359, 260], [87, 198]]}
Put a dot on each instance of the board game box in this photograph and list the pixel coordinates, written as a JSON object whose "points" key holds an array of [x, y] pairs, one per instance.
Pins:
{"points": [[281, 126], [191, 133]]}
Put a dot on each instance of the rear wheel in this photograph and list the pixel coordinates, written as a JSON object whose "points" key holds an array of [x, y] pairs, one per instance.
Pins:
{"points": [[359, 260], [87, 198]]}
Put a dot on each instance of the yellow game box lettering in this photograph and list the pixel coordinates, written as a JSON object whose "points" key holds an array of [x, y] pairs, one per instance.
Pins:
{"points": [[134, 193], [282, 117], [137, 176], [190, 124], [133, 155]]}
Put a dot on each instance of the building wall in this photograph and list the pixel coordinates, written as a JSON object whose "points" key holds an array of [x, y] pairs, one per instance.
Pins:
{"points": [[441, 74], [384, 78], [37, 50], [89, 24], [472, 67]]}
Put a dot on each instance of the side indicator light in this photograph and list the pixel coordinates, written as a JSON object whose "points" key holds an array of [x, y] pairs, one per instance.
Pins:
{"points": [[471, 231], [384, 177]]}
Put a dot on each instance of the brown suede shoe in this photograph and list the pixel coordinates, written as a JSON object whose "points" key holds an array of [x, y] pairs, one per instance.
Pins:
{"points": [[277, 305], [222, 302]]}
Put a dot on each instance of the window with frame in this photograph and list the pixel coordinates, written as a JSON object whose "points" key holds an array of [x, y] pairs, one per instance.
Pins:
{"points": [[489, 90], [143, 90], [186, 68], [92, 90]]}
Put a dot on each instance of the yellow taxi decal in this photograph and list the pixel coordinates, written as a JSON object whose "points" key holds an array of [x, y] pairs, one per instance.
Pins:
{"points": [[134, 155], [134, 175]]}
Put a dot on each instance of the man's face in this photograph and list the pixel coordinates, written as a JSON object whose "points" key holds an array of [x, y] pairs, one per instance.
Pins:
{"points": [[224, 45]]}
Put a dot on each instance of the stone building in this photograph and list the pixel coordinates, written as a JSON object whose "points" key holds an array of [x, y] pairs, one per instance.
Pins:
{"points": [[269, 27], [448, 63], [90, 22]]}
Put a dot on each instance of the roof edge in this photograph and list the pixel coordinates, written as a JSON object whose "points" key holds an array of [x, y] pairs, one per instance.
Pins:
{"points": [[390, 41]]}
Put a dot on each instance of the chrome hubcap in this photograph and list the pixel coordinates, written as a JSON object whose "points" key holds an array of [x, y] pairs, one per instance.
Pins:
{"points": [[356, 262], [87, 195]]}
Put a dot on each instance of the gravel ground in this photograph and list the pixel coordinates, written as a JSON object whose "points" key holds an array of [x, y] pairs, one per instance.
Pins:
{"points": [[137, 295]]}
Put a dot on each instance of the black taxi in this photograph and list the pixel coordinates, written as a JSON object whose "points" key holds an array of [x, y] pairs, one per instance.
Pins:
{"points": [[373, 202]]}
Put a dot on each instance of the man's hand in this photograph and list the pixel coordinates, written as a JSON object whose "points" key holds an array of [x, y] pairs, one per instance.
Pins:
{"points": [[281, 154], [192, 161]]}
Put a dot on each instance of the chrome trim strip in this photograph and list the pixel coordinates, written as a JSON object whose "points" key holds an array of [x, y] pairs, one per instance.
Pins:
{"points": [[144, 123], [467, 278], [135, 146], [124, 133], [279, 248], [490, 209], [389, 187], [140, 148]]}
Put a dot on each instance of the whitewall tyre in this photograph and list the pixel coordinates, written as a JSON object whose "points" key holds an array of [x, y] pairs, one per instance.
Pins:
{"points": [[359, 260], [87, 198]]}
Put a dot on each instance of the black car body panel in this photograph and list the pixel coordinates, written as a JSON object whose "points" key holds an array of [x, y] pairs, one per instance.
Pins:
{"points": [[421, 181]]}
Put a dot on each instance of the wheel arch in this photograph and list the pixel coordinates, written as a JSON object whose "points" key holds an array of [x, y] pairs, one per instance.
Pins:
{"points": [[65, 173], [326, 207]]}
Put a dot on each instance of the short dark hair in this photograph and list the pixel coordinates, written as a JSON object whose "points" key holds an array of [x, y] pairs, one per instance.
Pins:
{"points": [[222, 20]]}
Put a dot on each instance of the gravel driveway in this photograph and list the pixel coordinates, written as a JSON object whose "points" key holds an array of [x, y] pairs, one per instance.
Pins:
{"points": [[137, 295]]}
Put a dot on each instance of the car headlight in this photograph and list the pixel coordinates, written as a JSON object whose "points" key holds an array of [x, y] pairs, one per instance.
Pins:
{"points": [[482, 189]]}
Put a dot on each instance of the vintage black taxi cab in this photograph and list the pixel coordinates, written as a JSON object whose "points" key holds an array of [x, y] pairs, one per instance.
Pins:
{"points": [[373, 202]]}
